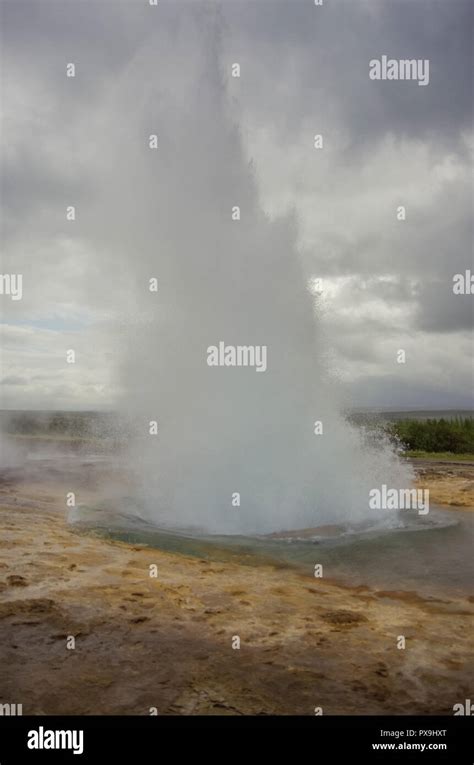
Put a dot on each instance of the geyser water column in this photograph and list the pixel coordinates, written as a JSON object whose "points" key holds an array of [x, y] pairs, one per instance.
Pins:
{"points": [[235, 449]]}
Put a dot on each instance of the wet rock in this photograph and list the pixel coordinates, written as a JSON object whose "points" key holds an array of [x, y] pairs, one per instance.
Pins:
{"points": [[15, 580], [343, 617]]}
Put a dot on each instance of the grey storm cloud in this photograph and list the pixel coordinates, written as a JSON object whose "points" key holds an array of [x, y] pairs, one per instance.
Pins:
{"points": [[305, 70], [327, 52], [14, 380], [440, 310]]}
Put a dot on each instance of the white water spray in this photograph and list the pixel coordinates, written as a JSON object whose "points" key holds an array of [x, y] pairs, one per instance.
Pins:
{"points": [[222, 431]]}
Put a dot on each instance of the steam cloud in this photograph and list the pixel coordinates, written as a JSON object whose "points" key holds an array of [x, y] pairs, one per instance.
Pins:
{"points": [[220, 430]]}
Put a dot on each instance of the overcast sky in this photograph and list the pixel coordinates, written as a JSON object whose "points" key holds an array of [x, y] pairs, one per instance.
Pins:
{"points": [[387, 284]]}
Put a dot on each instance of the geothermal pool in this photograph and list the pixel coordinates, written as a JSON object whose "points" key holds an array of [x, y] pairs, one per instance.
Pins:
{"points": [[429, 555]]}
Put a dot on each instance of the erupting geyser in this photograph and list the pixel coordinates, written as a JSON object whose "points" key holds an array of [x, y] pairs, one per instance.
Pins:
{"points": [[236, 449]]}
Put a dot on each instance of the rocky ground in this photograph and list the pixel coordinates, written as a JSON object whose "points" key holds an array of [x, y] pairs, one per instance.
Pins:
{"points": [[166, 642], [450, 483]]}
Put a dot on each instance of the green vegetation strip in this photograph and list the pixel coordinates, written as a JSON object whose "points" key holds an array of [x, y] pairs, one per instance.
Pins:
{"points": [[448, 437]]}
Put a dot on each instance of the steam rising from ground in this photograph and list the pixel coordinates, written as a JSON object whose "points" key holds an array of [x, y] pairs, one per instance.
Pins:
{"points": [[220, 430]]}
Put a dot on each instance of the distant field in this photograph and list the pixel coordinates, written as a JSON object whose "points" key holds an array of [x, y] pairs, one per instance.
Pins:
{"points": [[54, 437], [361, 417], [437, 456], [447, 435], [84, 426], [101, 432]]}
